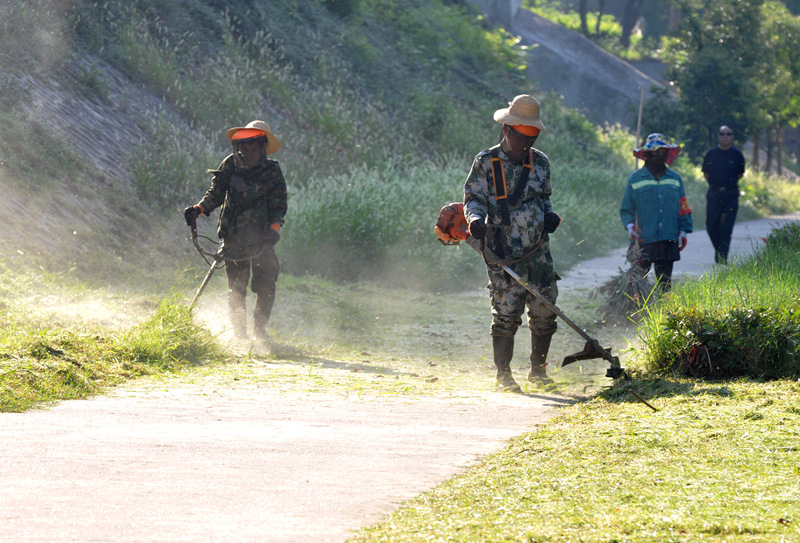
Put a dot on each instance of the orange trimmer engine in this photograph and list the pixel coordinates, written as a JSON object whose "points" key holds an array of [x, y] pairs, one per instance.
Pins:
{"points": [[451, 225]]}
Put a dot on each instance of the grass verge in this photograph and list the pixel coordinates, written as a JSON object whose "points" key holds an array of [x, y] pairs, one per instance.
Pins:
{"points": [[742, 320], [715, 462], [40, 364]]}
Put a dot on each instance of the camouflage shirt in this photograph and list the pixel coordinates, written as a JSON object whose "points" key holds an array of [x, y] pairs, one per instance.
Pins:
{"points": [[251, 200], [525, 233]]}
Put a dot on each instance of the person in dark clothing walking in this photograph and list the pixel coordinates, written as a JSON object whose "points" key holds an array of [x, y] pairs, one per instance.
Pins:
{"points": [[723, 166], [251, 191]]}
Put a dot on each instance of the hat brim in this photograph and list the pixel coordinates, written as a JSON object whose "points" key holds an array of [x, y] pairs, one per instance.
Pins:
{"points": [[273, 143], [672, 153], [504, 116]]}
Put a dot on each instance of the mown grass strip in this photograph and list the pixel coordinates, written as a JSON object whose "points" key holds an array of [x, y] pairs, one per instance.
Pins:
{"points": [[716, 462], [40, 364]]}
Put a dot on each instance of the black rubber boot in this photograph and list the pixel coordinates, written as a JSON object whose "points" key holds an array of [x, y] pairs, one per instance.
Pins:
{"points": [[540, 346], [238, 314], [261, 314], [503, 347]]}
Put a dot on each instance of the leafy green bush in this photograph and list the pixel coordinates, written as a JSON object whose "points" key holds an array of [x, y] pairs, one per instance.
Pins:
{"points": [[739, 321], [761, 342]]}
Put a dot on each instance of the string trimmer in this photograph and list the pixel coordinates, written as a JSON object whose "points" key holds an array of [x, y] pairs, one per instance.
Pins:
{"points": [[217, 260], [451, 229]]}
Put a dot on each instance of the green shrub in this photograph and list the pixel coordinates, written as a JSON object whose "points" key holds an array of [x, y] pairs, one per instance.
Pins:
{"points": [[762, 342], [738, 321]]}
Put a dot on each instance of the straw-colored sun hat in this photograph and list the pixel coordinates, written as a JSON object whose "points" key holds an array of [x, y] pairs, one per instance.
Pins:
{"points": [[657, 141], [523, 110], [253, 129]]}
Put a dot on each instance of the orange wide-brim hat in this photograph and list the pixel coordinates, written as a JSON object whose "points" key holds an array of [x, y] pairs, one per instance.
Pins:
{"points": [[252, 130]]}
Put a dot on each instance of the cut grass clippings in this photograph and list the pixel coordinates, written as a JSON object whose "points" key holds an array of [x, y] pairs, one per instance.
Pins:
{"points": [[40, 365], [362, 339], [716, 462]]}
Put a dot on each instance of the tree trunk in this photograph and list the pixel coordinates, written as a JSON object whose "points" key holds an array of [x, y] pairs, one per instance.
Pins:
{"points": [[602, 7], [582, 10], [756, 152], [770, 148], [674, 18], [633, 9], [779, 143]]}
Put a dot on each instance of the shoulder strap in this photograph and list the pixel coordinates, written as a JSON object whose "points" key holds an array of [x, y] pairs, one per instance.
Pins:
{"points": [[522, 182], [501, 188]]}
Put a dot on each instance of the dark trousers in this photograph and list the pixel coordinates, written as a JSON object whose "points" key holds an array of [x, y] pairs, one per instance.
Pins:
{"points": [[720, 217], [661, 255], [264, 264]]}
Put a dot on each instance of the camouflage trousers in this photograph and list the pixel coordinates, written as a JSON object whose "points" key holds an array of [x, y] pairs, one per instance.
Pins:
{"points": [[509, 298]]}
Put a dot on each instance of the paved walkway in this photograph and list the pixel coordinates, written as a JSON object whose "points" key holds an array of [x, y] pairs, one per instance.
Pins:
{"points": [[178, 462], [237, 462], [696, 259]]}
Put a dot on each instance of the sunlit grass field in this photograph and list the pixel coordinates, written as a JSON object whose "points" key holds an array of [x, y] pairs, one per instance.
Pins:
{"points": [[714, 462]]}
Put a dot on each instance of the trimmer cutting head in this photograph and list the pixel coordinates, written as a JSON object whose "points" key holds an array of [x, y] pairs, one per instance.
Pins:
{"points": [[591, 350]]}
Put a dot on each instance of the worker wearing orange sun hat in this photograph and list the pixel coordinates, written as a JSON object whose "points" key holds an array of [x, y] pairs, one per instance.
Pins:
{"points": [[507, 205], [251, 190]]}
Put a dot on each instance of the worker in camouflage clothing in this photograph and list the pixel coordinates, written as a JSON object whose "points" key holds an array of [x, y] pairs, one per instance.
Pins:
{"points": [[252, 192], [507, 206]]}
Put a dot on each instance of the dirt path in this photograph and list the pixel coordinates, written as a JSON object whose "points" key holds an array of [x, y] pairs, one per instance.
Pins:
{"points": [[239, 462]]}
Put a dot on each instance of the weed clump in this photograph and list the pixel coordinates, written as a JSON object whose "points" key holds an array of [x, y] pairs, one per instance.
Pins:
{"points": [[762, 342], [741, 321]]}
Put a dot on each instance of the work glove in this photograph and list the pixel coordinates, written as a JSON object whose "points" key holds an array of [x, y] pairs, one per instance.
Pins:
{"points": [[682, 240], [551, 222], [634, 232], [191, 213], [477, 229], [273, 236]]}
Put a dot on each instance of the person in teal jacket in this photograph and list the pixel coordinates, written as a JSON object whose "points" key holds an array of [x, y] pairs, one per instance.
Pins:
{"points": [[654, 209]]}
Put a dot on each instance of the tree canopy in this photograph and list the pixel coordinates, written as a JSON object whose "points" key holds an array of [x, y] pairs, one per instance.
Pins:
{"points": [[735, 63]]}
